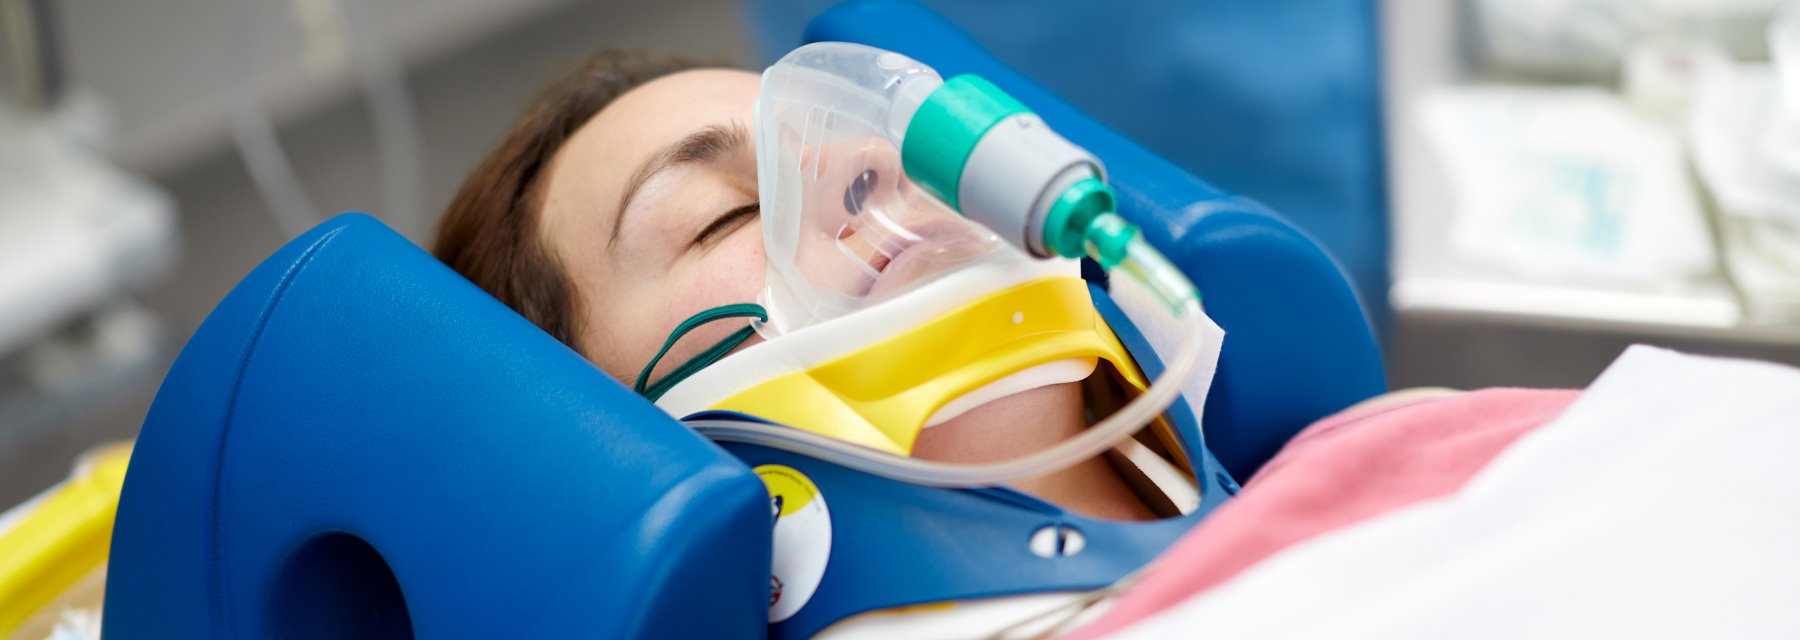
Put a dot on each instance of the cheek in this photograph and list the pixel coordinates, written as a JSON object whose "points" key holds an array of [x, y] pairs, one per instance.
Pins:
{"points": [[735, 269], [730, 273]]}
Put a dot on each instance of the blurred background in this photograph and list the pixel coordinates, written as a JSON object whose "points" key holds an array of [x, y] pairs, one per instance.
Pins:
{"points": [[1518, 189]]}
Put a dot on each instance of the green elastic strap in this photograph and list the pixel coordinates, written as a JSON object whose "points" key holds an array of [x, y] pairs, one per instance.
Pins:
{"points": [[655, 390]]}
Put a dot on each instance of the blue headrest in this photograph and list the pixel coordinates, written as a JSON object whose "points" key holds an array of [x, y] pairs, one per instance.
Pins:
{"points": [[357, 426], [1298, 344]]}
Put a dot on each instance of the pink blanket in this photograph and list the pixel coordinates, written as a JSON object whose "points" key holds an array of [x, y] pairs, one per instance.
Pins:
{"points": [[1339, 471]]}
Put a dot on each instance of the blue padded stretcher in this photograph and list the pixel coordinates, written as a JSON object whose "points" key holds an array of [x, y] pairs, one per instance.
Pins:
{"points": [[358, 441]]}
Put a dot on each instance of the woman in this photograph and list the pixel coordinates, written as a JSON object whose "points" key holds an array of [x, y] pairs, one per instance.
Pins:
{"points": [[625, 201]]}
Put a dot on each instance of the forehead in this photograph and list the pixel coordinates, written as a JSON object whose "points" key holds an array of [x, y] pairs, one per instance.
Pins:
{"points": [[597, 161], [664, 109]]}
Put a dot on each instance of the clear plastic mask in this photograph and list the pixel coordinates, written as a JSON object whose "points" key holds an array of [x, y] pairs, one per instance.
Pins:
{"points": [[843, 227]]}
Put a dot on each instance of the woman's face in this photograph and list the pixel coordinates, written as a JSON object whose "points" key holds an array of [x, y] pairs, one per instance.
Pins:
{"points": [[651, 208]]}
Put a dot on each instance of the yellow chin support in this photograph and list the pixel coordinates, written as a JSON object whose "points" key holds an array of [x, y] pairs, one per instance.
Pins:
{"points": [[881, 396]]}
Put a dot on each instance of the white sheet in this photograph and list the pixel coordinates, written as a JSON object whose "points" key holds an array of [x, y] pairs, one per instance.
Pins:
{"points": [[1664, 503]]}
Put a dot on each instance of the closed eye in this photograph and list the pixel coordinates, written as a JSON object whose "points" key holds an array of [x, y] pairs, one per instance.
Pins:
{"points": [[728, 221]]}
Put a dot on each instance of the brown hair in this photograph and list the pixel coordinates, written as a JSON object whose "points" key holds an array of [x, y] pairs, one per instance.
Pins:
{"points": [[489, 233]]}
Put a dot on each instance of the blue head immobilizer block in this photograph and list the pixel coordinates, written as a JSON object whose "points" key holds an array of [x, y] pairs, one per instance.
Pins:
{"points": [[356, 426]]}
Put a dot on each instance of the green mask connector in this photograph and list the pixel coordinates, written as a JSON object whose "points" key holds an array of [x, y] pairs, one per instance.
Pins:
{"points": [[1075, 220], [971, 145], [944, 131], [1084, 222]]}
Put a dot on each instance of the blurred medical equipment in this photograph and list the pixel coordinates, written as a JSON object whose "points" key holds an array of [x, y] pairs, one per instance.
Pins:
{"points": [[1745, 134], [1566, 186], [1588, 39], [334, 34], [863, 269], [78, 237], [355, 423], [1565, 195], [1678, 67]]}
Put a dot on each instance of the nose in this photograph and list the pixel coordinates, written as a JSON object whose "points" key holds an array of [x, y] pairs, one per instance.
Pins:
{"points": [[856, 195]]}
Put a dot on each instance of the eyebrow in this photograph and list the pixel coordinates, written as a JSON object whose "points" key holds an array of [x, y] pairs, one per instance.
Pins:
{"points": [[703, 145]]}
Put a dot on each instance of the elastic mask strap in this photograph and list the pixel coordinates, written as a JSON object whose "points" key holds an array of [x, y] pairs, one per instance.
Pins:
{"points": [[653, 391]]}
